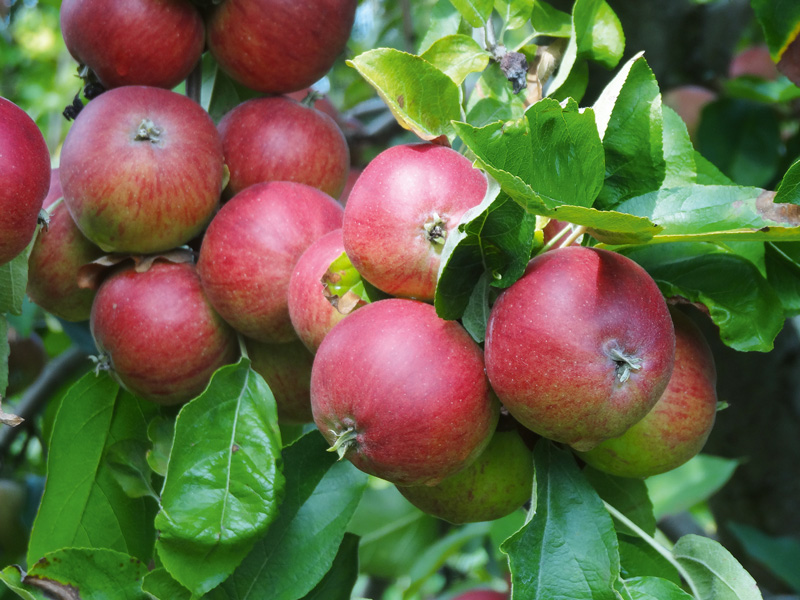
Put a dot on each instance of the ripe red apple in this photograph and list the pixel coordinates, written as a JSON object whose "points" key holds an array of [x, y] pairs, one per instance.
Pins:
{"points": [[134, 42], [250, 249], [754, 61], [482, 595], [25, 173], [162, 339], [142, 170], [402, 393], [678, 425], [581, 347], [279, 46], [688, 101], [499, 482], [287, 370], [312, 314], [279, 139], [400, 212], [58, 254]]}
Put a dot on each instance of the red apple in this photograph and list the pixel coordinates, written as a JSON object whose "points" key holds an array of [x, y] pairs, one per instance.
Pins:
{"points": [[352, 177], [402, 393], [754, 61], [680, 422], [142, 170], [287, 370], [25, 173], [312, 314], [400, 212], [134, 42], [279, 139], [279, 46], [250, 249], [688, 101], [482, 595], [162, 339], [499, 482], [581, 347], [58, 254]]}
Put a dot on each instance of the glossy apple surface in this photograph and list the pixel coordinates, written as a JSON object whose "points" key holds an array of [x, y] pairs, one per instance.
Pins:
{"points": [[161, 337], [279, 139], [401, 209], [141, 170], [402, 393], [581, 347], [250, 249], [25, 173], [680, 422], [279, 46]]}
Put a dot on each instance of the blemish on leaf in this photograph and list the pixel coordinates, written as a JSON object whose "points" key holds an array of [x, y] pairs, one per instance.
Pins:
{"points": [[235, 448], [54, 589], [401, 101]]}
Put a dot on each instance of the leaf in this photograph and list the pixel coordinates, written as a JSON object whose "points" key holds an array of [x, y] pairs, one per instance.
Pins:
{"points": [[780, 555], [639, 559], [691, 483], [783, 273], [493, 99], [340, 579], [422, 98], [679, 154], [128, 464], [224, 480], [301, 544], [83, 505], [476, 313], [654, 588], [475, 12], [547, 20], [739, 299], [598, 32], [5, 350], [160, 584], [12, 577], [713, 570], [444, 20], [629, 119], [568, 549], [160, 432], [457, 56], [627, 495], [514, 13], [789, 188], [13, 281], [781, 24]]}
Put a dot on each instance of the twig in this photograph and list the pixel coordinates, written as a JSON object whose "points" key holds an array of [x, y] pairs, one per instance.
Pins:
{"points": [[194, 82]]}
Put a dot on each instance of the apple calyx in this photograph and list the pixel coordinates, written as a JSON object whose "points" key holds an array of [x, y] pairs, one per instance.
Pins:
{"points": [[344, 441], [102, 362], [148, 132], [435, 230], [625, 363]]}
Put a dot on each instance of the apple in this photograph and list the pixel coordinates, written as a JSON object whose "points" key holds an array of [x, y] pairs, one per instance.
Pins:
{"points": [[160, 336], [581, 346], [280, 139], [57, 255], [287, 370], [499, 482], [688, 101], [134, 42], [352, 177], [250, 249], [402, 393], [482, 595], [678, 426], [754, 61], [279, 46], [25, 173], [401, 210], [141, 170]]}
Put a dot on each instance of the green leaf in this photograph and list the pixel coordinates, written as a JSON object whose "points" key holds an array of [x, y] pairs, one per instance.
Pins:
{"points": [[475, 12], [708, 173], [780, 555], [445, 20], [783, 274], [689, 484], [13, 281], [5, 350], [160, 432], [627, 495], [547, 20], [300, 546], [83, 505], [746, 309], [457, 56], [713, 570], [639, 559], [341, 577], [780, 22], [219, 93], [476, 313], [493, 99], [630, 123], [514, 13], [159, 583], [97, 573], [654, 588], [598, 32], [789, 188], [128, 464], [224, 480], [568, 549], [679, 154], [12, 577], [422, 98]]}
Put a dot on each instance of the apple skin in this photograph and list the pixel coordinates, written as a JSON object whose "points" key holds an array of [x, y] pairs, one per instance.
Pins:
{"points": [[25, 173], [352, 177], [312, 315], [754, 61], [499, 482], [251, 247], [134, 42], [279, 139], [688, 101], [161, 336], [400, 192], [141, 196], [287, 370], [56, 257], [408, 390], [279, 46], [482, 595], [678, 426], [561, 340]]}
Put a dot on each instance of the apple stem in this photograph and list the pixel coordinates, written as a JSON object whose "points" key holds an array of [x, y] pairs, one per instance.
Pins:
{"points": [[435, 229], [625, 363], [344, 441], [148, 132], [576, 233]]}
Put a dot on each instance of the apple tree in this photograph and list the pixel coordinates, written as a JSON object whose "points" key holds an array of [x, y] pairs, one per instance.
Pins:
{"points": [[393, 299]]}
